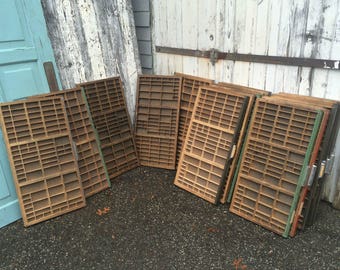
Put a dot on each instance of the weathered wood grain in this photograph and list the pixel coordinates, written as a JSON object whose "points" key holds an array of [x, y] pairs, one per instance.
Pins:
{"points": [[94, 39]]}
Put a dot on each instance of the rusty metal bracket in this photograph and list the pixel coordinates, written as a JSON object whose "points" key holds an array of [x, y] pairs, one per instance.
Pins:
{"points": [[215, 55]]}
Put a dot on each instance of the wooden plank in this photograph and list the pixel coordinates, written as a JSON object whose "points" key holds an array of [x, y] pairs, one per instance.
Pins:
{"points": [[190, 21], [288, 28], [327, 41], [87, 15], [51, 76], [160, 35], [206, 35], [275, 10], [311, 44], [144, 47], [143, 33], [257, 72], [141, 5], [172, 18], [91, 41], [228, 44], [179, 34], [63, 36], [146, 61], [127, 54], [219, 37], [297, 27], [245, 24], [142, 19]]}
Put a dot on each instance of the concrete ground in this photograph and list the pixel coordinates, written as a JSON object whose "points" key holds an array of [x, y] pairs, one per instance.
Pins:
{"points": [[152, 224]]}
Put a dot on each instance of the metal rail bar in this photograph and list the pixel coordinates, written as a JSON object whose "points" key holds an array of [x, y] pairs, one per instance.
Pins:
{"points": [[215, 55]]}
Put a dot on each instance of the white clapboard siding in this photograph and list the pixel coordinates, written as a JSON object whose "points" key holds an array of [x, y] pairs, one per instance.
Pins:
{"points": [[292, 28], [295, 28], [94, 40]]}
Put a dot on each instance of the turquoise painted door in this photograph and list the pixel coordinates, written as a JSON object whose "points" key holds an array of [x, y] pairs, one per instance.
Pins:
{"points": [[24, 47]]}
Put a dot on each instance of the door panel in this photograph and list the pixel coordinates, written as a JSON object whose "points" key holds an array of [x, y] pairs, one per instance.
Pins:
{"points": [[30, 80], [9, 19], [13, 22], [24, 47]]}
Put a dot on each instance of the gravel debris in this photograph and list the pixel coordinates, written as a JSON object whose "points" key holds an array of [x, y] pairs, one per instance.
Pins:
{"points": [[152, 224]]}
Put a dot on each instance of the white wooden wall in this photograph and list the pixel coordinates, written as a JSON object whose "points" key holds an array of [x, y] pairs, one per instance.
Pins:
{"points": [[292, 28], [94, 39], [296, 28]]}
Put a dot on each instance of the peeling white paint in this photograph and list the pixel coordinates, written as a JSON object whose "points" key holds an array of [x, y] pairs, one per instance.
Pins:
{"points": [[272, 28], [69, 64], [91, 31], [93, 40], [130, 53]]}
